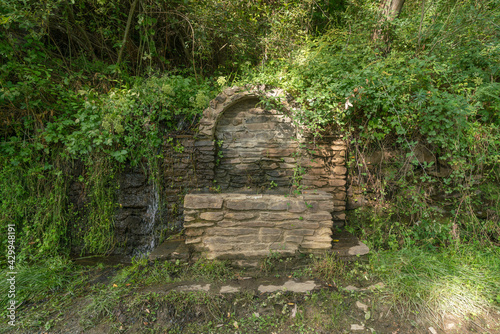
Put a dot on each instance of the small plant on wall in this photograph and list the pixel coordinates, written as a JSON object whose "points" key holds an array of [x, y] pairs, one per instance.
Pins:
{"points": [[218, 149]]}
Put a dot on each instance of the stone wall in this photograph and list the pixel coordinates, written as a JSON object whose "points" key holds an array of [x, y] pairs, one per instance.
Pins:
{"points": [[185, 169], [260, 150], [243, 164], [241, 147], [136, 221], [137, 218], [227, 226], [324, 169]]}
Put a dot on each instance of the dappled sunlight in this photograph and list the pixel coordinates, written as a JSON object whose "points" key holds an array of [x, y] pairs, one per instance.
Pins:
{"points": [[452, 297], [453, 288]]}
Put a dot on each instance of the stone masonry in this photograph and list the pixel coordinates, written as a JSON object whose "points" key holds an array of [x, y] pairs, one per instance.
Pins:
{"points": [[257, 149], [247, 145], [240, 172], [227, 226]]}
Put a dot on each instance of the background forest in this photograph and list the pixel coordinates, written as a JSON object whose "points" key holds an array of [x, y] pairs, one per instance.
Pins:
{"points": [[105, 83]]}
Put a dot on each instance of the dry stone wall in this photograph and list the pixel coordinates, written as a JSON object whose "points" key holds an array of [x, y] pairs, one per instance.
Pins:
{"points": [[227, 226], [136, 220], [188, 166], [323, 163], [261, 150]]}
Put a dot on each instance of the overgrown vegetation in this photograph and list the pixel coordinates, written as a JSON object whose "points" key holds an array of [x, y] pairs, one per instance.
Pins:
{"points": [[90, 87]]}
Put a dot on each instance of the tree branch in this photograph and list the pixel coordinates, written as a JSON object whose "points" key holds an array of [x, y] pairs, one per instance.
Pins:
{"points": [[127, 30], [86, 40]]}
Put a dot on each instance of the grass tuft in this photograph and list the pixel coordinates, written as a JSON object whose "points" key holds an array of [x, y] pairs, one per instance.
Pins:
{"points": [[329, 267]]}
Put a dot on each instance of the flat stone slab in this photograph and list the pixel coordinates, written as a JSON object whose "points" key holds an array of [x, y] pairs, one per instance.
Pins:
{"points": [[250, 284], [355, 327], [359, 249], [362, 306], [344, 244], [289, 286], [229, 289], [347, 245], [373, 287], [194, 287], [170, 250]]}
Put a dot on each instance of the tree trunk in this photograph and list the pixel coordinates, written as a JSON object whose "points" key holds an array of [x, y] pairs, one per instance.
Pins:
{"points": [[389, 10], [392, 8]]}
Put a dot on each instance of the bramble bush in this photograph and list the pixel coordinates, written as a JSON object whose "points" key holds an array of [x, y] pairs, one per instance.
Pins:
{"points": [[423, 87]]}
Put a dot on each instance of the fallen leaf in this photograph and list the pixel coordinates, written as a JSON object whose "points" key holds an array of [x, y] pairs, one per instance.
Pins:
{"points": [[347, 104]]}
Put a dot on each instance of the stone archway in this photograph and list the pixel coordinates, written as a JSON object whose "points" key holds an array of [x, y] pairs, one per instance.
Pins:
{"points": [[252, 150]]}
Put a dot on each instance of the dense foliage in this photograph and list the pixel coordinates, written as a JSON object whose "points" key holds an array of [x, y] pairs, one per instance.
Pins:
{"points": [[103, 83], [431, 88]]}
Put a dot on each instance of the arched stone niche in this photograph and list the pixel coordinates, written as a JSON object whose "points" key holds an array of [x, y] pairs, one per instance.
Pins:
{"points": [[254, 147], [243, 146], [254, 158]]}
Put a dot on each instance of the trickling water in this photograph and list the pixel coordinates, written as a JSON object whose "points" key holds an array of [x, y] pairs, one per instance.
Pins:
{"points": [[151, 213], [150, 220]]}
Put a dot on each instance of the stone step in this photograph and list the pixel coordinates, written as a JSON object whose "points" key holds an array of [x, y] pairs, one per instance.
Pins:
{"points": [[345, 245], [255, 285]]}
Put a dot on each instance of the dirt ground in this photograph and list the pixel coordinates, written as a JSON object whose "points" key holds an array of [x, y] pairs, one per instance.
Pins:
{"points": [[239, 301]]}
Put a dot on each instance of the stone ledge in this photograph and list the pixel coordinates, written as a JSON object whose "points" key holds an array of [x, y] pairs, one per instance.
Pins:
{"points": [[202, 201], [229, 225]]}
